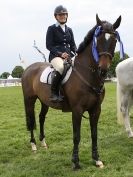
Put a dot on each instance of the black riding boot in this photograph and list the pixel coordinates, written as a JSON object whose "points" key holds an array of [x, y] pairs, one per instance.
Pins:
{"points": [[56, 81]]}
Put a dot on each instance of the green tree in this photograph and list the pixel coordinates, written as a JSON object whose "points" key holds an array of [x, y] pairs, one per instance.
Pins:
{"points": [[4, 75], [115, 61], [17, 71]]}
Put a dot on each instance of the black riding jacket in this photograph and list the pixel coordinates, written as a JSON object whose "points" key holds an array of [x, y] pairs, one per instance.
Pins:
{"points": [[58, 41]]}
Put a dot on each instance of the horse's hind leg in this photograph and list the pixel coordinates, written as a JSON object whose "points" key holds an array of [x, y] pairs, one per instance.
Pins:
{"points": [[43, 112], [125, 106], [30, 118]]}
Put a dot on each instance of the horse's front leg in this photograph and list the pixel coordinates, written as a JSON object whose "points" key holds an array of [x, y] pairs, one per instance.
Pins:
{"points": [[94, 116], [125, 107], [76, 120]]}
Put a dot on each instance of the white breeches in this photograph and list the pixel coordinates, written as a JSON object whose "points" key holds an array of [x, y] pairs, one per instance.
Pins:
{"points": [[57, 63]]}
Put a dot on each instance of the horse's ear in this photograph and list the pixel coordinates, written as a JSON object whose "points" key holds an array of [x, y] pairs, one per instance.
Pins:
{"points": [[99, 22], [117, 23]]}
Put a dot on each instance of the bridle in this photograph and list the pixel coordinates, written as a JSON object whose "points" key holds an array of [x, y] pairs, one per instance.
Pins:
{"points": [[95, 53]]}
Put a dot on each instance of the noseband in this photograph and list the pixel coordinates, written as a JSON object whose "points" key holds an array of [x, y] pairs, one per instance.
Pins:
{"points": [[105, 53]]}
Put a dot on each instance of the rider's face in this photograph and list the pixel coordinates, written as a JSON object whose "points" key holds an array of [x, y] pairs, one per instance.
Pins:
{"points": [[62, 18]]}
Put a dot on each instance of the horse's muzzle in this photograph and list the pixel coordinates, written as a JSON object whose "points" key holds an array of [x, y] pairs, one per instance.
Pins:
{"points": [[105, 60], [102, 72]]}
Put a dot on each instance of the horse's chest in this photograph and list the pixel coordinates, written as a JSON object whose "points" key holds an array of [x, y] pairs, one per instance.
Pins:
{"points": [[90, 100]]}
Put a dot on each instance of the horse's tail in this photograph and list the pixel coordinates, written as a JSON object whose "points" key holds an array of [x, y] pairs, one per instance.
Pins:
{"points": [[119, 113], [29, 104]]}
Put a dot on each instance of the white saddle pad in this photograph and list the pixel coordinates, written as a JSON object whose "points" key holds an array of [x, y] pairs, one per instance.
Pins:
{"points": [[46, 75]]}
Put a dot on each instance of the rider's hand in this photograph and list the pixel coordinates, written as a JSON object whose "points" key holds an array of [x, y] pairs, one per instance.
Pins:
{"points": [[65, 55]]}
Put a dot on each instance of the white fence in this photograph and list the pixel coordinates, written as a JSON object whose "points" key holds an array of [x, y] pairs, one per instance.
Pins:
{"points": [[10, 82]]}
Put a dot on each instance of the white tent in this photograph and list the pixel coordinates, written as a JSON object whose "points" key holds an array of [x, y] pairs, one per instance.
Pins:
{"points": [[10, 77]]}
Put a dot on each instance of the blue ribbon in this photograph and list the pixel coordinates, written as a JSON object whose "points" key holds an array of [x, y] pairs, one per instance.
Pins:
{"points": [[121, 45], [94, 44]]}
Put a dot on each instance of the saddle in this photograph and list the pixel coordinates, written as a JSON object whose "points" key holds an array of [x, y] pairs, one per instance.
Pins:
{"points": [[46, 76]]}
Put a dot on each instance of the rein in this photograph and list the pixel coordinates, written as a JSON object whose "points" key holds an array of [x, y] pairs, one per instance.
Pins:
{"points": [[97, 91], [91, 68]]}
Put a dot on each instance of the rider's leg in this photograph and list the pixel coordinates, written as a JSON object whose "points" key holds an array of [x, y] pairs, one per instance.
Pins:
{"points": [[58, 65]]}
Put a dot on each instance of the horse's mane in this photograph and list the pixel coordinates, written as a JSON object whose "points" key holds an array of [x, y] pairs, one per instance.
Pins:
{"points": [[87, 39]]}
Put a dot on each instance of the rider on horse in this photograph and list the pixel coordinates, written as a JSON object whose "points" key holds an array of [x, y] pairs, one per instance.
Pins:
{"points": [[60, 42]]}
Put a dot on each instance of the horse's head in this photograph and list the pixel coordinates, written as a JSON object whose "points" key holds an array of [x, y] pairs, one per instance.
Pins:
{"points": [[104, 42]]}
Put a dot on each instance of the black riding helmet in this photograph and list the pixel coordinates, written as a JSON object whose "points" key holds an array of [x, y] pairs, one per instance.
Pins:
{"points": [[60, 10]]}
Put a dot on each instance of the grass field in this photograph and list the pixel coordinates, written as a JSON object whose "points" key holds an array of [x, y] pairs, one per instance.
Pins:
{"points": [[17, 160]]}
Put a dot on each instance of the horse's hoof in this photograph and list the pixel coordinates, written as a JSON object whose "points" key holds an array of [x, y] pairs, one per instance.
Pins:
{"points": [[99, 164], [33, 147], [45, 147], [76, 167], [130, 135], [43, 144]]}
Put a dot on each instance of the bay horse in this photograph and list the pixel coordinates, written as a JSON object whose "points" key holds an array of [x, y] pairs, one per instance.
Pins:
{"points": [[124, 73], [84, 90]]}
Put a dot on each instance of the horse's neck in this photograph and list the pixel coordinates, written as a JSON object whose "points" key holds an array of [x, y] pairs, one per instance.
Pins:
{"points": [[86, 58], [87, 67]]}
